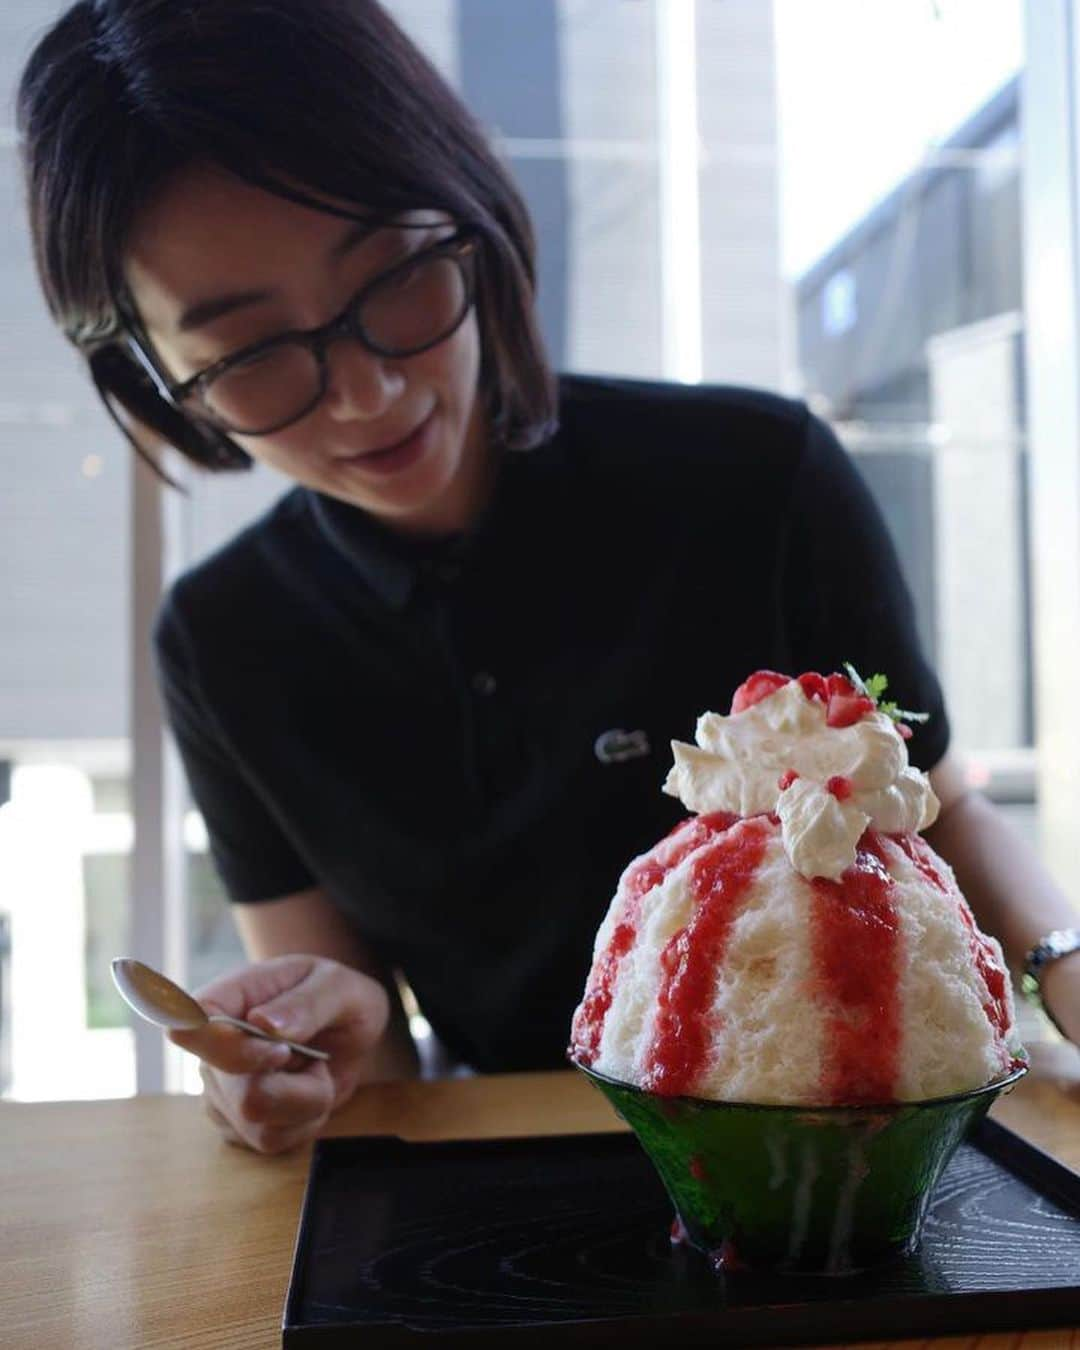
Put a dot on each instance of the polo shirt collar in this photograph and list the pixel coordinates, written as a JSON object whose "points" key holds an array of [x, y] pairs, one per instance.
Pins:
{"points": [[384, 560], [393, 564]]}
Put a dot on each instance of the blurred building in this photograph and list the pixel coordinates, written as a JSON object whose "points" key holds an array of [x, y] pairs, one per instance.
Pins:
{"points": [[910, 336]]}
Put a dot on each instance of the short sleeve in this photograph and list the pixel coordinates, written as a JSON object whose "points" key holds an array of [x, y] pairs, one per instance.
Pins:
{"points": [[254, 858], [843, 593]]}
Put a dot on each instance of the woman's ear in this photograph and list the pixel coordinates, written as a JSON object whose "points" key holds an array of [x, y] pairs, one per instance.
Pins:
{"points": [[148, 421]]}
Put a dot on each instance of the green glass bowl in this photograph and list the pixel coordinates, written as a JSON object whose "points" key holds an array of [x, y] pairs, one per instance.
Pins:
{"points": [[823, 1190]]}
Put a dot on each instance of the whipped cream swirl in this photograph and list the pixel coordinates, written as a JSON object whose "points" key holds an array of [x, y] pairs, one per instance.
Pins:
{"points": [[839, 781]]}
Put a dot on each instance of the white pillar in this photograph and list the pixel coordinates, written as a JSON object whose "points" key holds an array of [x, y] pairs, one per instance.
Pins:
{"points": [[1051, 233], [157, 907], [680, 221]]}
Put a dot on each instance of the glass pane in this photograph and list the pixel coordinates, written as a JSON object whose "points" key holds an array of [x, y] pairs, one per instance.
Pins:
{"points": [[903, 252], [836, 239], [65, 814], [902, 245]]}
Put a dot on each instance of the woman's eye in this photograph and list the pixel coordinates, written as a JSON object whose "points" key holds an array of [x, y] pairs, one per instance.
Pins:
{"points": [[253, 359], [403, 279]]}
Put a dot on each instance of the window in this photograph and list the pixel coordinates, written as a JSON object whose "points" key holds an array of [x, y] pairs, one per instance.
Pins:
{"points": [[724, 190]]}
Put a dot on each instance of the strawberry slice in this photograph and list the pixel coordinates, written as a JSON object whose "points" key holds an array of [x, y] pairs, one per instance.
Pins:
{"points": [[840, 787], [846, 709], [756, 687], [839, 684], [814, 685]]}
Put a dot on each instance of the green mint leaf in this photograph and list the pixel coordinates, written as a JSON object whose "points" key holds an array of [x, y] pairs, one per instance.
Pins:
{"points": [[876, 686], [873, 688]]}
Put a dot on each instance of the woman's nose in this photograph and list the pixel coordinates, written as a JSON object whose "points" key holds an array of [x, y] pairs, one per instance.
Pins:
{"points": [[360, 385]]}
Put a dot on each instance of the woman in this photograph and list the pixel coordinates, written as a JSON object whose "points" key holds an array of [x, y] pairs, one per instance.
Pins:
{"points": [[424, 703]]}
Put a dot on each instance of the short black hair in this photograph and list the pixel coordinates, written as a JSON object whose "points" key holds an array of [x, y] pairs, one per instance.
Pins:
{"points": [[121, 94]]}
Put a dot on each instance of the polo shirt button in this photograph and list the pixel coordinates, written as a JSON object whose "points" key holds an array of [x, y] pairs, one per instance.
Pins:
{"points": [[483, 683]]}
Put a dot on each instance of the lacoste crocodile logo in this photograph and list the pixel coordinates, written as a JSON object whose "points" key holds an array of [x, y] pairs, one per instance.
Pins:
{"points": [[617, 746]]}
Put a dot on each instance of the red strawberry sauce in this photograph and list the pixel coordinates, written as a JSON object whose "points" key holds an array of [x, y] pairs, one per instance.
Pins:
{"points": [[986, 963], [855, 934], [637, 881], [918, 853], [683, 1030]]}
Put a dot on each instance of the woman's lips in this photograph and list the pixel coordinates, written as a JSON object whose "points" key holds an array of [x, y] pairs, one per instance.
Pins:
{"points": [[401, 455]]}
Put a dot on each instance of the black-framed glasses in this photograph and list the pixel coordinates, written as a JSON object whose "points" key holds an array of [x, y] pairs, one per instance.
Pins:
{"points": [[414, 305]]}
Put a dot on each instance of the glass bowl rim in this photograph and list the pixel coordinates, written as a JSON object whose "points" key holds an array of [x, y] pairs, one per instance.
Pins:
{"points": [[995, 1085]]}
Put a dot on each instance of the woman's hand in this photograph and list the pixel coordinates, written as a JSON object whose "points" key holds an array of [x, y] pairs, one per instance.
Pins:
{"points": [[264, 1095]]}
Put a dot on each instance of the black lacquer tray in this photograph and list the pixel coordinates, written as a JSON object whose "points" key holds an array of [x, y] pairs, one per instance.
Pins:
{"points": [[564, 1240]]}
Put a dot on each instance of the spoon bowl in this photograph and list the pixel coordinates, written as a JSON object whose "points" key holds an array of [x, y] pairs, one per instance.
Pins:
{"points": [[161, 1001]]}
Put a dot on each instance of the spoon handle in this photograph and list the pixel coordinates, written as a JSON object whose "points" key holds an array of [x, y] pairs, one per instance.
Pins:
{"points": [[268, 1035]]}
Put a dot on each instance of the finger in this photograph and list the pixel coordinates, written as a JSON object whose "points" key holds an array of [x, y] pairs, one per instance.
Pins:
{"points": [[232, 1050], [213, 1097], [329, 995], [214, 1106], [246, 986], [273, 1139], [258, 1137], [223, 1125], [252, 1130], [287, 1099]]}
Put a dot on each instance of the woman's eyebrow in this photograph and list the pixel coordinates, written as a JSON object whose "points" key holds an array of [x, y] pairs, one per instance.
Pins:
{"points": [[206, 311], [203, 312]]}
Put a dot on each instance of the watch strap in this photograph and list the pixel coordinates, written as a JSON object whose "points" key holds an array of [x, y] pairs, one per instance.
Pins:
{"points": [[1061, 942]]}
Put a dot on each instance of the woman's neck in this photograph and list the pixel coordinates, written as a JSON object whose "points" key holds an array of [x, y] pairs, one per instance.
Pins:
{"points": [[467, 497]]}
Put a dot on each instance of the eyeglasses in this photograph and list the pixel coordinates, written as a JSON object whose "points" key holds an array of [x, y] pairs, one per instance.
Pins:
{"points": [[410, 307]]}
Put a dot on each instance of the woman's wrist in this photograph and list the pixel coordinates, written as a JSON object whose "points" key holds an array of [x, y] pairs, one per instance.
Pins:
{"points": [[1059, 994]]}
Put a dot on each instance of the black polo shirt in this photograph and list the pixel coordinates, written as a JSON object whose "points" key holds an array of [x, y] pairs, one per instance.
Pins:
{"points": [[427, 731]]}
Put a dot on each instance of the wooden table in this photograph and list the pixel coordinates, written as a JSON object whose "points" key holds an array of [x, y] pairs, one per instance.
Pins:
{"points": [[128, 1224]]}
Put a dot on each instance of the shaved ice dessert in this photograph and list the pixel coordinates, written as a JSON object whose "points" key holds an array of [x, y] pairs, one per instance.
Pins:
{"points": [[790, 989]]}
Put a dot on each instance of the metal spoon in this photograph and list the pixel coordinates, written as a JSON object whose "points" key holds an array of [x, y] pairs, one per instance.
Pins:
{"points": [[164, 1003]]}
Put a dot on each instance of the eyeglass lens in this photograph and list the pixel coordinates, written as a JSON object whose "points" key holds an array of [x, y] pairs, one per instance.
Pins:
{"points": [[413, 308]]}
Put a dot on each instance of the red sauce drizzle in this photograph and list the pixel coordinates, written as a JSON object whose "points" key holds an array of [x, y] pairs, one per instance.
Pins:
{"points": [[636, 882], [918, 852], [991, 972], [719, 878], [855, 935]]}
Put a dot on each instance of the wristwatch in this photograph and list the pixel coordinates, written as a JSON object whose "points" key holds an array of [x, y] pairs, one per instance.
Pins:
{"points": [[1061, 942]]}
